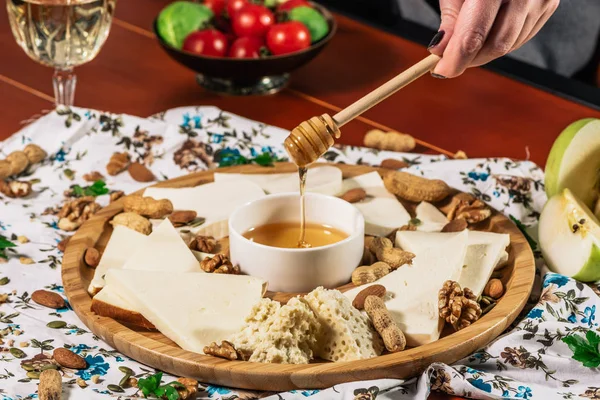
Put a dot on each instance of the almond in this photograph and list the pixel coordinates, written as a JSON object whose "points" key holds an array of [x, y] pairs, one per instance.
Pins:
{"points": [[354, 195], [391, 163], [48, 299], [140, 173], [457, 225], [66, 358], [91, 257], [182, 217], [374, 290], [494, 289]]}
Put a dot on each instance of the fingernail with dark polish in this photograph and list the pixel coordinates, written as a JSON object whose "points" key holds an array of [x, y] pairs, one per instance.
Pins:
{"points": [[438, 76], [436, 39]]}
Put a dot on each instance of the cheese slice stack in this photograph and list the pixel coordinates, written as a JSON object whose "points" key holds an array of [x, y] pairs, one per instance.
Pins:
{"points": [[485, 250], [162, 250], [324, 180], [414, 289], [213, 201], [382, 211], [119, 247], [190, 308], [109, 303]]}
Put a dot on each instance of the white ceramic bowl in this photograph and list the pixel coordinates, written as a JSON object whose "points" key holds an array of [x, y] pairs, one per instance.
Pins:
{"points": [[298, 270]]}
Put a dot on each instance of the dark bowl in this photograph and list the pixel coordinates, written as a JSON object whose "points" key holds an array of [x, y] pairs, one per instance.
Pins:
{"points": [[248, 76]]}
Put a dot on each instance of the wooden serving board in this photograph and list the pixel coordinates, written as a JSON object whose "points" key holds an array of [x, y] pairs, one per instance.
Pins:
{"points": [[154, 349]]}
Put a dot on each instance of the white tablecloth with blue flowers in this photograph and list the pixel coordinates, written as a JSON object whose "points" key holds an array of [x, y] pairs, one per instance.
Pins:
{"points": [[530, 361]]}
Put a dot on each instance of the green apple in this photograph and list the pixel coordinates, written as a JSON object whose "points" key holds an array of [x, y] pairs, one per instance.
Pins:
{"points": [[574, 162], [569, 236]]}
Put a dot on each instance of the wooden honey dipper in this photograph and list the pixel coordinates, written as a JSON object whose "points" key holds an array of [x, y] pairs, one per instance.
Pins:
{"points": [[311, 139]]}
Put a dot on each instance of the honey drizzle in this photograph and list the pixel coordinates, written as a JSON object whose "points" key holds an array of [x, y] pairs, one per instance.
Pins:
{"points": [[302, 244]]}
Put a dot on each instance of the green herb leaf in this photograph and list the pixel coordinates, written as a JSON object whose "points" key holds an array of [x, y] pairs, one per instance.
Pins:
{"points": [[265, 159], [585, 350], [5, 244], [98, 188], [149, 385], [523, 229], [78, 191], [167, 391]]}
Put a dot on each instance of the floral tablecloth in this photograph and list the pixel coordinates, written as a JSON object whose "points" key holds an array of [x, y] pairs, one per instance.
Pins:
{"points": [[530, 361]]}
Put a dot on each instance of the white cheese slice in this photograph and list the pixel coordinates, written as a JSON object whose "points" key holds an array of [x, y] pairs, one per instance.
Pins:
{"points": [[414, 289], [432, 219], [382, 211], [189, 308], [484, 252], [164, 250], [108, 303], [501, 239], [118, 249], [213, 201], [480, 261], [324, 180]]}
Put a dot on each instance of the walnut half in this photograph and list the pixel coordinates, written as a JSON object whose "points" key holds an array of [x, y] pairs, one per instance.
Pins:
{"points": [[224, 350], [458, 307]]}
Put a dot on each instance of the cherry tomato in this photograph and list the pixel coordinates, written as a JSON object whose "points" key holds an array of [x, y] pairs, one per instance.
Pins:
{"points": [[216, 6], [252, 20], [246, 47], [234, 6], [288, 5], [209, 42], [288, 37]]}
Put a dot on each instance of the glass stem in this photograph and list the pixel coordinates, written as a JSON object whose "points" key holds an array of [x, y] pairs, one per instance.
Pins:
{"points": [[64, 81]]}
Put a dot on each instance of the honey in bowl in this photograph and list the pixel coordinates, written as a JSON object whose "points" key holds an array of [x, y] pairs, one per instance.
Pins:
{"points": [[285, 234]]}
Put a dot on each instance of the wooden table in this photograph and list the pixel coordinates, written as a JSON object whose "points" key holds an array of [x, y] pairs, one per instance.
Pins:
{"points": [[482, 113]]}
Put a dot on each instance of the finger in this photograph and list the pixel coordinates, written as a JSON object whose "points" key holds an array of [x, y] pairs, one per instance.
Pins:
{"points": [[473, 25], [449, 11], [504, 34], [535, 25]]}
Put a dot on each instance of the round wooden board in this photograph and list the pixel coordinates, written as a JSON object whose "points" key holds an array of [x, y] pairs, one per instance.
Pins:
{"points": [[154, 349]]}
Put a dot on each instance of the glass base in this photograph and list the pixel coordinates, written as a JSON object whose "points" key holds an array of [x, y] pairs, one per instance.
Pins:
{"points": [[261, 86]]}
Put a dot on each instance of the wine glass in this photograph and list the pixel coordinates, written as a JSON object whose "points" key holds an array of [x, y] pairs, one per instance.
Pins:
{"points": [[61, 34]]}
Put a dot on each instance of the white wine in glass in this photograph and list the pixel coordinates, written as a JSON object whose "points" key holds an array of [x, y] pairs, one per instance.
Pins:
{"points": [[61, 34]]}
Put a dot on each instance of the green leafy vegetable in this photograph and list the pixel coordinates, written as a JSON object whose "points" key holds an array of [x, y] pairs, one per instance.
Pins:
{"points": [[151, 386], [179, 19], [228, 157], [523, 229], [585, 350], [5, 244], [98, 188]]}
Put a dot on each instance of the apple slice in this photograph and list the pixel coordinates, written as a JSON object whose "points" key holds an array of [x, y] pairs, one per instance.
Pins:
{"points": [[574, 162], [569, 235]]}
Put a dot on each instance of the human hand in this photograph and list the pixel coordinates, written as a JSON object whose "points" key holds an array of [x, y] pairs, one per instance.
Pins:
{"points": [[475, 32]]}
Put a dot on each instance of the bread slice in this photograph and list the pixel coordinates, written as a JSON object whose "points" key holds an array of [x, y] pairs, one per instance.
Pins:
{"points": [[107, 303]]}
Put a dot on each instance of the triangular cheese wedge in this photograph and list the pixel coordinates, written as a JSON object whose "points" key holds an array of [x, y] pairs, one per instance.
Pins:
{"points": [[118, 249], [212, 201], [382, 211], [192, 309], [324, 180], [414, 289], [484, 252], [164, 250], [432, 219]]}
